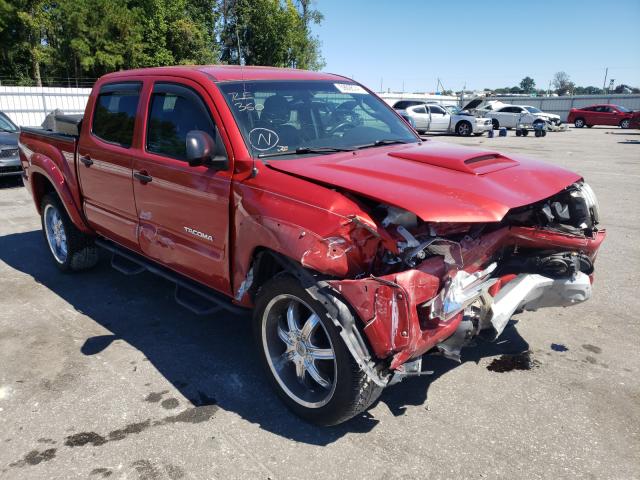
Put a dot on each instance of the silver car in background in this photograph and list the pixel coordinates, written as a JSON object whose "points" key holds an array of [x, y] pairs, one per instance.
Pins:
{"points": [[441, 119], [9, 158]]}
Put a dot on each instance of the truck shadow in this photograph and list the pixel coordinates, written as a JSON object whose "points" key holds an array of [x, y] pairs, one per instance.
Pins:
{"points": [[208, 360]]}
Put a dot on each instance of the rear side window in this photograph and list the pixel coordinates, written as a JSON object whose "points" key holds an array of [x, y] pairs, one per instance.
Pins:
{"points": [[115, 113], [174, 111], [404, 104], [420, 110]]}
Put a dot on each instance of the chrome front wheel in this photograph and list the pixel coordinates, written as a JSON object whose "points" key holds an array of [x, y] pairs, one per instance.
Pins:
{"points": [[304, 354], [299, 351]]}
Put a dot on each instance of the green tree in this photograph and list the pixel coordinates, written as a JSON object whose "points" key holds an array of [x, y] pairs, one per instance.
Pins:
{"points": [[270, 32], [528, 85], [562, 83], [587, 91], [53, 40], [24, 39]]}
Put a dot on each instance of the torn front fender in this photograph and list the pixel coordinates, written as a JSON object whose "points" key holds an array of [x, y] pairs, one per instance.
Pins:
{"points": [[392, 309]]}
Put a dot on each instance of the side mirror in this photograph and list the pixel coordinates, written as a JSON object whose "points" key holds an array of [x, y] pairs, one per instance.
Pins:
{"points": [[201, 150]]}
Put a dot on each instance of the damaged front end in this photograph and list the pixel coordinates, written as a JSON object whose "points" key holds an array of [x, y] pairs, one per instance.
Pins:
{"points": [[437, 285]]}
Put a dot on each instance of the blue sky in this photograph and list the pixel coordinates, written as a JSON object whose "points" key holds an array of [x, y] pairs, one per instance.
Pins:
{"points": [[480, 43]]}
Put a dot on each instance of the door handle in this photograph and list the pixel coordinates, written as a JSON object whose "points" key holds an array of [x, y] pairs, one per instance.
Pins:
{"points": [[143, 176], [86, 159]]}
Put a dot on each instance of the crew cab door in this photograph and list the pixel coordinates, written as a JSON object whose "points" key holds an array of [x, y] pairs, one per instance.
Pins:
{"points": [[440, 119], [105, 156], [420, 116], [183, 211], [508, 116]]}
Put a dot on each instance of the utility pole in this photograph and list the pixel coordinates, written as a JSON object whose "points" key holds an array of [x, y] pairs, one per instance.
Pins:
{"points": [[604, 84], [381, 84]]}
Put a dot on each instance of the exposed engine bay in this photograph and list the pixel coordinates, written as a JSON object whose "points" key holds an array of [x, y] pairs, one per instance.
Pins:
{"points": [[573, 211]]}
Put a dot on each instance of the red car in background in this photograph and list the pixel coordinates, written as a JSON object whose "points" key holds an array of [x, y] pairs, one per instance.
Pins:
{"points": [[605, 114]]}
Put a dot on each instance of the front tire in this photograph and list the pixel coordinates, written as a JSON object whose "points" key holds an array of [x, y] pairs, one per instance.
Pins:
{"points": [[70, 249], [306, 360], [626, 123], [464, 129]]}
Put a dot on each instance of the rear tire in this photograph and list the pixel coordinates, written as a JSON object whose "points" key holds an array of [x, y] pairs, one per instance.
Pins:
{"points": [[579, 122], [306, 360], [70, 249]]}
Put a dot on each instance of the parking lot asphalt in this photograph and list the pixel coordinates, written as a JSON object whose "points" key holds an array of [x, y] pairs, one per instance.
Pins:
{"points": [[103, 376]]}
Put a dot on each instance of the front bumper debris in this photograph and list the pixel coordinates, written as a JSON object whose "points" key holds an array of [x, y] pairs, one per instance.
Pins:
{"points": [[533, 291], [406, 314]]}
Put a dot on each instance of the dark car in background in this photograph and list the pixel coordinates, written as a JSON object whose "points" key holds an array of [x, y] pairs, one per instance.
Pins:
{"points": [[9, 158], [605, 114]]}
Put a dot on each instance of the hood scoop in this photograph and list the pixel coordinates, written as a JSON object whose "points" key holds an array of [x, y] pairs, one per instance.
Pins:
{"points": [[475, 162]]}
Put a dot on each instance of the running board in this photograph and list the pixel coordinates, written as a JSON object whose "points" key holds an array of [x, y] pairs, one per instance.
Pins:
{"points": [[195, 297]]}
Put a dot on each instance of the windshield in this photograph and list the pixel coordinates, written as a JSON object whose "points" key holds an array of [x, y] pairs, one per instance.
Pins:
{"points": [[622, 109], [294, 118], [533, 109], [452, 108], [7, 125]]}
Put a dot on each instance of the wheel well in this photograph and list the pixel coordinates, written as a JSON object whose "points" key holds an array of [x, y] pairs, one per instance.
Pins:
{"points": [[41, 186], [579, 118], [462, 121], [265, 264]]}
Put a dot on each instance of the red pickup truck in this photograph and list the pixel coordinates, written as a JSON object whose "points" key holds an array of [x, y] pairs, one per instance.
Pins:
{"points": [[302, 195]]}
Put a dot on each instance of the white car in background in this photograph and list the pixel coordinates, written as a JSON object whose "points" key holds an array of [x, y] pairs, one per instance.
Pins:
{"points": [[437, 118], [550, 117], [510, 116]]}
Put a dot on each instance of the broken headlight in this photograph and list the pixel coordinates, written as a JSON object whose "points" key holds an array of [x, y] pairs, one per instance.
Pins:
{"points": [[461, 291], [583, 189]]}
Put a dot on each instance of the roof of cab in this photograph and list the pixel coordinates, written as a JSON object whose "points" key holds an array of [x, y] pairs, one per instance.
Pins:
{"points": [[224, 73]]}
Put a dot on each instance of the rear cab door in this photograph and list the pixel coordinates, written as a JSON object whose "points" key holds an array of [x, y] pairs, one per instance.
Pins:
{"points": [[183, 210], [420, 115], [106, 150], [440, 119], [605, 115]]}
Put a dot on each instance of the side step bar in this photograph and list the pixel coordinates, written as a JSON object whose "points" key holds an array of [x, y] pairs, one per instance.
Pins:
{"points": [[191, 295]]}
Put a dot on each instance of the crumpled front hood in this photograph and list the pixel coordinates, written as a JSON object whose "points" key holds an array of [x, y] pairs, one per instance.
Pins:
{"points": [[437, 181]]}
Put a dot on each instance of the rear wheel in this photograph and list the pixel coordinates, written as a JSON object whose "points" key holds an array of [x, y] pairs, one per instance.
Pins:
{"points": [[70, 248], [626, 123], [305, 358], [579, 122]]}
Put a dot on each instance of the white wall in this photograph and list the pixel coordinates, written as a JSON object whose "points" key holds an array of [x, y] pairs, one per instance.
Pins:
{"points": [[27, 106]]}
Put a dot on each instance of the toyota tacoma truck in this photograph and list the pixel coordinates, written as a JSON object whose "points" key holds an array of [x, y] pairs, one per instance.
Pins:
{"points": [[302, 195]]}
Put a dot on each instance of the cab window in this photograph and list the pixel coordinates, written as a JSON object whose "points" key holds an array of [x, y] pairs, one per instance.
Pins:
{"points": [[115, 113], [174, 111]]}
